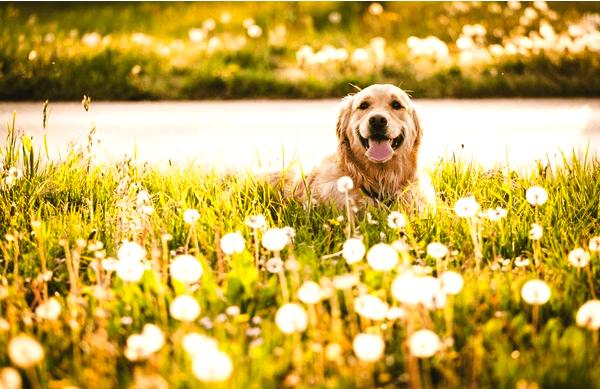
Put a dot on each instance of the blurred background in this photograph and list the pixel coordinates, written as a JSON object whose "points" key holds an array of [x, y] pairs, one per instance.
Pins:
{"points": [[132, 51], [472, 68]]}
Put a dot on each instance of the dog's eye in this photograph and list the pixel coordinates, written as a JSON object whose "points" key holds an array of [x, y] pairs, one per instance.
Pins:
{"points": [[363, 105], [396, 104]]}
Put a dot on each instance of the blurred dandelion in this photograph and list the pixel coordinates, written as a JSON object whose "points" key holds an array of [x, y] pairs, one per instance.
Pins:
{"points": [[10, 378], [375, 9], [437, 250], [536, 195], [49, 309], [290, 318], [371, 307], [186, 268], [382, 257], [579, 257], [588, 315], [466, 207], [195, 343], [535, 292], [424, 343], [25, 351], [254, 31], [309, 292], [275, 239], [141, 346], [190, 216], [536, 231], [353, 250], [396, 220], [233, 243], [451, 282], [368, 347], [594, 244], [212, 365], [334, 17], [184, 308]]}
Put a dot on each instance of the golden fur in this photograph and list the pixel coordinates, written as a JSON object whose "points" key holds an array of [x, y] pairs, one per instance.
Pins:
{"points": [[393, 179]]}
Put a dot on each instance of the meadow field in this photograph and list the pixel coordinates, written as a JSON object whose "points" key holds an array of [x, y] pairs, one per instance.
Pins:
{"points": [[129, 275], [134, 51]]}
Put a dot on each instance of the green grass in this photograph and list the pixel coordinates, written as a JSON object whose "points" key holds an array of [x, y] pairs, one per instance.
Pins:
{"points": [[494, 342], [43, 54]]}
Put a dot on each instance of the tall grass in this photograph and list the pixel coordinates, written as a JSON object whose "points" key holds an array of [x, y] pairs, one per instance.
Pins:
{"points": [[54, 215]]}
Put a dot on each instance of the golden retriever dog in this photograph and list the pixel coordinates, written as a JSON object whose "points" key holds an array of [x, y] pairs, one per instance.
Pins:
{"points": [[378, 135]]}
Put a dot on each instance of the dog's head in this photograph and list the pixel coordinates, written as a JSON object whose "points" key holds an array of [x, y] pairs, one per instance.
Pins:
{"points": [[378, 124]]}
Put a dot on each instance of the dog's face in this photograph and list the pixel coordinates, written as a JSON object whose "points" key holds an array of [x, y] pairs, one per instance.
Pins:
{"points": [[378, 124]]}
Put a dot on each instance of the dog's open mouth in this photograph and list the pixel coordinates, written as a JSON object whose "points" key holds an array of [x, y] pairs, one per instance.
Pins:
{"points": [[380, 149]]}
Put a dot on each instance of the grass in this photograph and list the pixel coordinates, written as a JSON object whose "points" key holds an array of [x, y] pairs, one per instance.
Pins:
{"points": [[60, 52], [54, 216]]}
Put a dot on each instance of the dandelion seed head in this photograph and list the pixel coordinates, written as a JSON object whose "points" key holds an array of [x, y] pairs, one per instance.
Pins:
{"points": [[536, 232], [310, 292], [371, 307], [382, 257], [466, 207], [194, 343], [256, 222], [25, 351], [233, 243], [275, 239], [396, 220], [579, 257], [536, 195], [588, 315], [368, 347], [212, 365], [290, 318], [535, 292], [437, 250], [186, 268], [49, 310], [344, 184], [353, 250], [184, 308], [424, 343]]}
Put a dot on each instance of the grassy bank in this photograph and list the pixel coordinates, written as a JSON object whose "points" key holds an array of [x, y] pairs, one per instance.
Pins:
{"points": [[76, 282], [296, 50]]}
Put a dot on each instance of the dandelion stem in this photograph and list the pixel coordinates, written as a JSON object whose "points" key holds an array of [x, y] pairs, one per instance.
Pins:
{"points": [[588, 270]]}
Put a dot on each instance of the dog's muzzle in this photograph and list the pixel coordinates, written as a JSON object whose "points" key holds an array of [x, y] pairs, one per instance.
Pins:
{"points": [[379, 147]]}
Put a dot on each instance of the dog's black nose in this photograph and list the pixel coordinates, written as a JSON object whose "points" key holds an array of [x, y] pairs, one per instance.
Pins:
{"points": [[378, 122]]}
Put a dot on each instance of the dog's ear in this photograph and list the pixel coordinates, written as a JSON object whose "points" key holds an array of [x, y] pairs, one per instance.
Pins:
{"points": [[415, 119], [344, 117]]}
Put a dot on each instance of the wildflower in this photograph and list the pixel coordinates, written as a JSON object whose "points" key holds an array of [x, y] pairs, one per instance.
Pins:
{"points": [[196, 35], [395, 313], [437, 250], [233, 242], [335, 17], [514, 5], [353, 250], [466, 207], [535, 292], [382, 257], [375, 9], [184, 308], [536, 232], [521, 262], [190, 216], [130, 271], [10, 378], [371, 307], [495, 214], [212, 366], [396, 220], [131, 251], [274, 265], [109, 264], [344, 184], [368, 347], [424, 343], [451, 282], [141, 346], [588, 315], [195, 343], [291, 318], [256, 222], [579, 257], [186, 268], [536, 195], [309, 292], [345, 281], [412, 290], [49, 310], [594, 244], [275, 239], [333, 351], [209, 24], [25, 351], [254, 31]]}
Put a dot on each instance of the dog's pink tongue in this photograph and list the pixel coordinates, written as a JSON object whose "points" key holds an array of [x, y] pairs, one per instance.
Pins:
{"points": [[379, 151]]}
